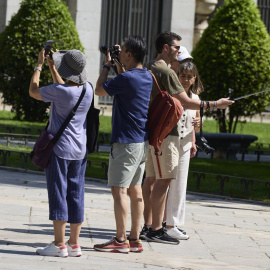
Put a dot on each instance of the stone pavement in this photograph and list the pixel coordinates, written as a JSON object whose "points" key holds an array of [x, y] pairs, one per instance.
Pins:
{"points": [[224, 233]]}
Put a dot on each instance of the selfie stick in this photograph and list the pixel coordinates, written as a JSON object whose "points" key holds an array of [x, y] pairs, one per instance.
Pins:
{"points": [[245, 96]]}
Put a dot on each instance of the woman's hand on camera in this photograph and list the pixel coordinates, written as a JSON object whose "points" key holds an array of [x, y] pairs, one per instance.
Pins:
{"points": [[41, 57], [50, 61]]}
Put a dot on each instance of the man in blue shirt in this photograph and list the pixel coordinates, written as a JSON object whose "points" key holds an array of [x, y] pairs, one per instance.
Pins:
{"points": [[131, 90]]}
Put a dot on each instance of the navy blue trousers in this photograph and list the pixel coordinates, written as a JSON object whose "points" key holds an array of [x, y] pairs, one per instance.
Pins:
{"points": [[65, 184]]}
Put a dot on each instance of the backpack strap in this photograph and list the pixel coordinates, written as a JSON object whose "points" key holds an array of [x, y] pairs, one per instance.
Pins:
{"points": [[154, 77], [93, 101]]}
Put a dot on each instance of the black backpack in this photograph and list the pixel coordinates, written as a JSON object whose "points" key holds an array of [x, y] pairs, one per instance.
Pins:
{"points": [[92, 128]]}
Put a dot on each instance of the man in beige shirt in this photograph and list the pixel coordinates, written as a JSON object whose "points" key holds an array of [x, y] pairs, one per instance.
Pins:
{"points": [[155, 188]]}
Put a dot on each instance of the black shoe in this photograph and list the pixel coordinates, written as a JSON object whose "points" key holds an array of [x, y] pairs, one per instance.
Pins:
{"points": [[161, 236], [143, 232], [164, 225]]}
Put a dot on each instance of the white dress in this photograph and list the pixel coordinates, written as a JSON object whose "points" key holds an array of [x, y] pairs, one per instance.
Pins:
{"points": [[176, 200]]}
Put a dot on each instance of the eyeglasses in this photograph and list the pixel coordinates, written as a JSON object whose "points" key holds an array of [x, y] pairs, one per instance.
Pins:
{"points": [[176, 47]]}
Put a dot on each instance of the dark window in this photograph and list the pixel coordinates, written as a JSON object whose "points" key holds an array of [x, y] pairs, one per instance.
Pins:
{"points": [[121, 18], [264, 7]]}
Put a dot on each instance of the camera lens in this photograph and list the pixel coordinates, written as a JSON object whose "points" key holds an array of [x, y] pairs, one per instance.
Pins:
{"points": [[103, 49], [202, 144]]}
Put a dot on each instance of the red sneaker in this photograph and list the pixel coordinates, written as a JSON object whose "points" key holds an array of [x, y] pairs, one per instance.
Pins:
{"points": [[113, 246], [136, 246]]}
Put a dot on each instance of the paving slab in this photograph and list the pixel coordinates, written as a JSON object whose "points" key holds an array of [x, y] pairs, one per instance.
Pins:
{"points": [[224, 233]]}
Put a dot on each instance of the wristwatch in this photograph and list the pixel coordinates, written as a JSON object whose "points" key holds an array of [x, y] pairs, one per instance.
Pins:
{"points": [[107, 67], [38, 68]]}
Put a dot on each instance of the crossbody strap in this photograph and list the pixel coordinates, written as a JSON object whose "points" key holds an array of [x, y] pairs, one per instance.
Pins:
{"points": [[72, 113]]}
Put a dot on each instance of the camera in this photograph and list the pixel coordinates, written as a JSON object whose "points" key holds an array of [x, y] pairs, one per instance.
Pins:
{"points": [[202, 143], [114, 50], [48, 47]]}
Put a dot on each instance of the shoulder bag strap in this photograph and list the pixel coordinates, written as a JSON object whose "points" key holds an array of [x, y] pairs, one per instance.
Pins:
{"points": [[72, 113], [201, 116]]}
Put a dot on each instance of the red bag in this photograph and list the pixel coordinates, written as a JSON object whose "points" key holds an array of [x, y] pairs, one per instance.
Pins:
{"points": [[163, 114]]}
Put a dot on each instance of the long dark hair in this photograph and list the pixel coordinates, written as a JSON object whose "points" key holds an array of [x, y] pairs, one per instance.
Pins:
{"points": [[197, 87]]}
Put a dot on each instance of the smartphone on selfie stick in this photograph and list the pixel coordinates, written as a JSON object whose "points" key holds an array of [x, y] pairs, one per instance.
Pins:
{"points": [[48, 47]]}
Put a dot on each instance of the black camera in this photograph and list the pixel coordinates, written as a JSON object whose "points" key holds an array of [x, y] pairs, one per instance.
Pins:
{"points": [[48, 47], [202, 143], [114, 50]]}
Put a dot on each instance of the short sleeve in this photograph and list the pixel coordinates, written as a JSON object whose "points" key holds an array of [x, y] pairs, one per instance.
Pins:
{"points": [[48, 93], [116, 85], [173, 85]]}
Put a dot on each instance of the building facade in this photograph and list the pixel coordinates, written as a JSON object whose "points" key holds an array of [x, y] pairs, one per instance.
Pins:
{"points": [[100, 22]]}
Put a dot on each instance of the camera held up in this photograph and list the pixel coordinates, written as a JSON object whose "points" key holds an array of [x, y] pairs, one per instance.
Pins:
{"points": [[48, 47], [114, 50], [202, 143]]}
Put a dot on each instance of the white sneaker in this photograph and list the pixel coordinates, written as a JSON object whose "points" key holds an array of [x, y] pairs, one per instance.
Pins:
{"points": [[53, 250], [74, 250], [175, 233]]}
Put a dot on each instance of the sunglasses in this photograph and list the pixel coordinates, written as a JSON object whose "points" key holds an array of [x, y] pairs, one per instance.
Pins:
{"points": [[176, 47]]}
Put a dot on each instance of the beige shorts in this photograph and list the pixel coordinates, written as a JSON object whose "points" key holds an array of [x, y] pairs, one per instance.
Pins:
{"points": [[168, 159]]}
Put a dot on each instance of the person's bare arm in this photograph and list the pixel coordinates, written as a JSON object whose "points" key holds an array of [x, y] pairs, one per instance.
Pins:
{"points": [[100, 91], [194, 104], [34, 91], [197, 121], [193, 149]]}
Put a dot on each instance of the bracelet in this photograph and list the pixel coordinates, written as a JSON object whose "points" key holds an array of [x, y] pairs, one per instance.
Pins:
{"points": [[38, 68], [207, 105], [214, 105], [107, 67]]}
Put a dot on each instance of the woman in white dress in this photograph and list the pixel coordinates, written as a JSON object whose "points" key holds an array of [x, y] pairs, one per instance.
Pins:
{"points": [[176, 199]]}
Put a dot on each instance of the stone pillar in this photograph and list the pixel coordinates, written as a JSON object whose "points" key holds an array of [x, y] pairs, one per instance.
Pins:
{"points": [[182, 21], [7, 9], [3, 12], [202, 11], [88, 24]]}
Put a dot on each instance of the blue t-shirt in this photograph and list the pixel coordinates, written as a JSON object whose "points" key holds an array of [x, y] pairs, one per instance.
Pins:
{"points": [[131, 91], [72, 143]]}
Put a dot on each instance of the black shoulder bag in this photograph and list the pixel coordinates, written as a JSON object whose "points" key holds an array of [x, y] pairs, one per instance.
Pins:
{"points": [[92, 129]]}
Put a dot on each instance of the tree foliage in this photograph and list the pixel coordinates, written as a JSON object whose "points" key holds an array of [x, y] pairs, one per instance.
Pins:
{"points": [[20, 43], [234, 52]]}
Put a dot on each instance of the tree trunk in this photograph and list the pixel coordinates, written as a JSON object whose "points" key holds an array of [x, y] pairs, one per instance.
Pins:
{"points": [[235, 123], [222, 122]]}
